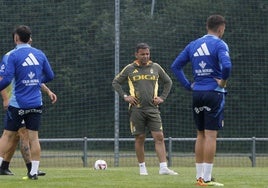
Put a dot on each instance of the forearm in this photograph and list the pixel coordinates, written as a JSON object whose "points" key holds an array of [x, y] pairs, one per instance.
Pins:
{"points": [[166, 90], [4, 83], [182, 79], [45, 89], [4, 95], [118, 88]]}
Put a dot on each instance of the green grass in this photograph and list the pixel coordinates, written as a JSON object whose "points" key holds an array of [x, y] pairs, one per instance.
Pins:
{"points": [[128, 177]]}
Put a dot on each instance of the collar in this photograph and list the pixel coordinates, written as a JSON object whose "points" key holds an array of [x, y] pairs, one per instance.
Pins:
{"points": [[211, 35], [138, 65], [22, 45]]}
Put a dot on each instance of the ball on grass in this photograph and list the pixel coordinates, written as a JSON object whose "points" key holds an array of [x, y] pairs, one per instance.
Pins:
{"points": [[100, 165]]}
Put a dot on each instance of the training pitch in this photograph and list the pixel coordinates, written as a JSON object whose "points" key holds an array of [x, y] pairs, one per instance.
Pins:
{"points": [[128, 177]]}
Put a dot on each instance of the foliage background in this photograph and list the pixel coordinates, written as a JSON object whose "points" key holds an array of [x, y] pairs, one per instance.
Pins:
{"points": [[78, 38]]}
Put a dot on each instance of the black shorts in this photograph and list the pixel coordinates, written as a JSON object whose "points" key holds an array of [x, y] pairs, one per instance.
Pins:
{"points": [[208, 108], [15, 116]]}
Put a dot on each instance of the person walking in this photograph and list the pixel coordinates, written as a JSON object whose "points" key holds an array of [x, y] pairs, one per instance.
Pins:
{"points": [[211, 67], [22, 135], [142, 76], [27, 68]]}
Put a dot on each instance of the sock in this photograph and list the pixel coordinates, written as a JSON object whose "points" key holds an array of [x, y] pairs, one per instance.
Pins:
{"points": [[163, 165], [1, 160], [29, 166], [207, 171], [142, 165], [35, 166], [199, 170], [5, 165]]}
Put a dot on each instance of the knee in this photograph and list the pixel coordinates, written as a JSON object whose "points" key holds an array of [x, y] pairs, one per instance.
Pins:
{"points": [[159, 138], [140, 139]]}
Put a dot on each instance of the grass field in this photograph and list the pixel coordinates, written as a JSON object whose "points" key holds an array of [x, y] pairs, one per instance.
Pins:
{"points": [[128, 177]]}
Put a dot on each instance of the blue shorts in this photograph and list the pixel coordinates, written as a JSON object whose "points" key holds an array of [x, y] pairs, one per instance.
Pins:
{"points": [[208, 108], [15, 116]]}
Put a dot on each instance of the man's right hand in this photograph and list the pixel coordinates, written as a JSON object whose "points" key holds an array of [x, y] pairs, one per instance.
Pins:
{"points": [[132, 100]]}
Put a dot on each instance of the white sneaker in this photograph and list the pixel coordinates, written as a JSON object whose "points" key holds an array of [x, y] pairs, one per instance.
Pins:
{"points": [[143, 171], [167, 171]]}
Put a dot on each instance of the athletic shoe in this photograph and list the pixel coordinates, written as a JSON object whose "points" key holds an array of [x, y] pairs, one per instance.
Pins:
{"points": [[201, 182], [167, 171], [30, 177], [5, 172], [213, 183], [143, 171], [41, 173]]}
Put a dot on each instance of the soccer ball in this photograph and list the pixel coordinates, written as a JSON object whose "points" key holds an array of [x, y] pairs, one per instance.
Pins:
{"points": [[100, 165]]}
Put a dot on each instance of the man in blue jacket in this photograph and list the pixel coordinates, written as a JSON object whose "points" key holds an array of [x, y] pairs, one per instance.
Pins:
{"points": [[26, 69], [211, 67]]}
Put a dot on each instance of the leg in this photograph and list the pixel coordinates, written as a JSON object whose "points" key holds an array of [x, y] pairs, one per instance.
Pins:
{"points": [[33, 122], [7, 143], [8, 156], [205, 149], [26, 151], [24, 145], [210, 146], [209, 153], [139, 147], [10, 137], [154, 123], [199, 147], [160, 149], [199, 154], [35, 151], [208, 122], [4, 169]]}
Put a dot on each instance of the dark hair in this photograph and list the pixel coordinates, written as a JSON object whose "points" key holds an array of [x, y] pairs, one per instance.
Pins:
{"points": [[214, 21], [24, 32], [142, 46]]}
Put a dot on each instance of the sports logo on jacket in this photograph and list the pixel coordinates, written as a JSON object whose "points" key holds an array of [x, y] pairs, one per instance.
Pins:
{"points": [[30, 61], [135, 71], [202, 64], [31, 81], [31, 75], [203, 71], [202, 50], [144, 77]]}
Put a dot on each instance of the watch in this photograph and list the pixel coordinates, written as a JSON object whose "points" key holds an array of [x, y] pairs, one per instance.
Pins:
{"points": [[125, 96]]}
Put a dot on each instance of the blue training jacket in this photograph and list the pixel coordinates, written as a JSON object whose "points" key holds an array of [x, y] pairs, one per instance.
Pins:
{"points": [[27, 68], [210, 59]]}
